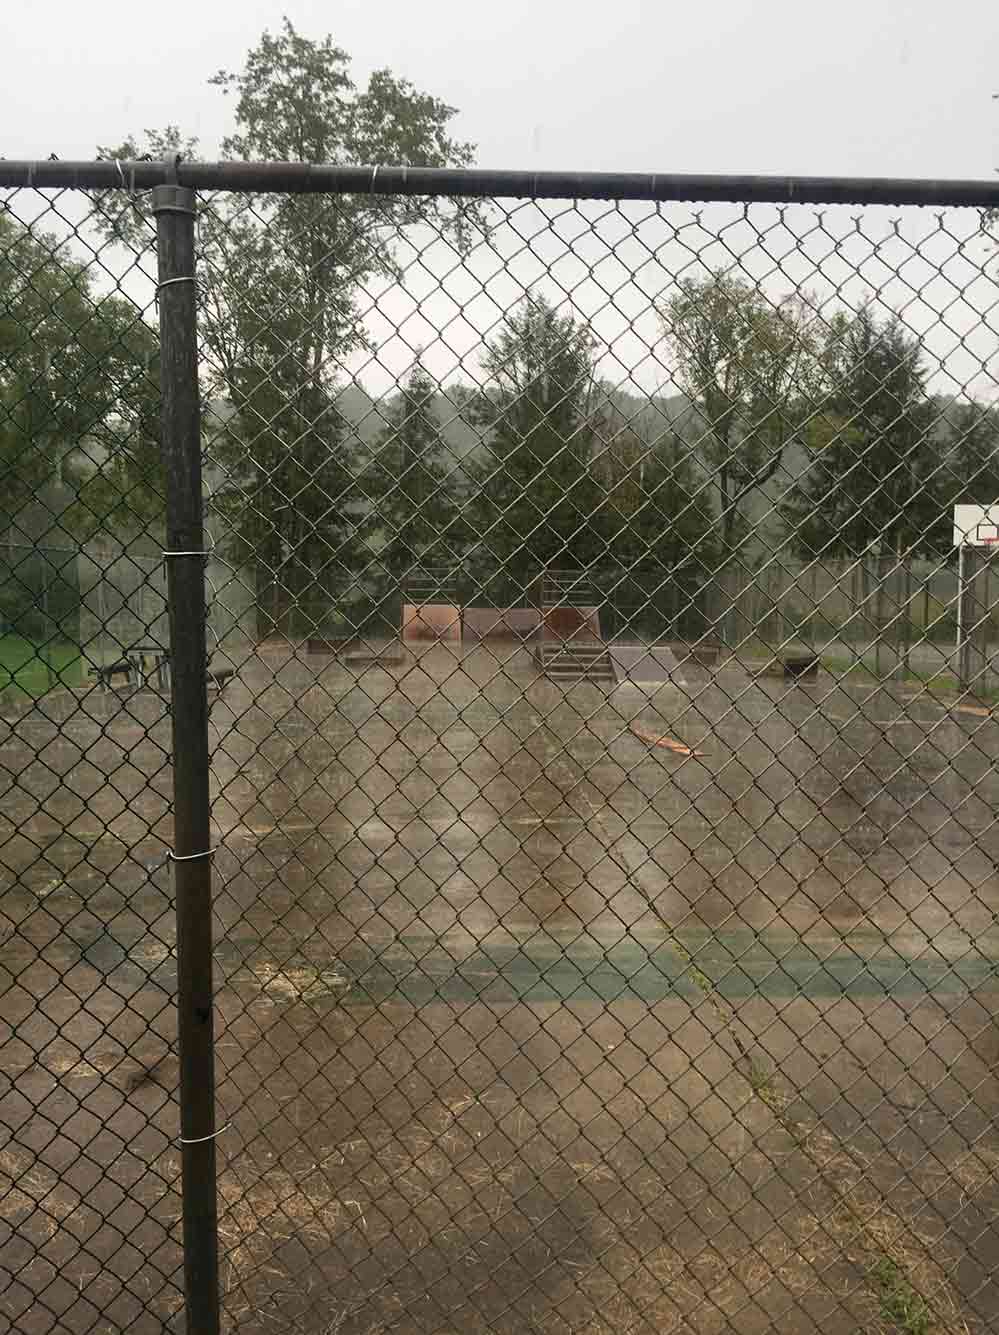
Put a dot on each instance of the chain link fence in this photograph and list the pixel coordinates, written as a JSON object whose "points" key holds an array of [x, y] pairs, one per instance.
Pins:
{"points": [[498, 753]]}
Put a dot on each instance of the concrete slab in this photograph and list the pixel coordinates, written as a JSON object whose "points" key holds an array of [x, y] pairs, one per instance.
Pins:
{"points": [[372, 652], [640, 664], [523, 1023]]}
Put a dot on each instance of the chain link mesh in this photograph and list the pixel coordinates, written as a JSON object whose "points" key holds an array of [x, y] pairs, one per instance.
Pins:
{"points": [[603, 767]]}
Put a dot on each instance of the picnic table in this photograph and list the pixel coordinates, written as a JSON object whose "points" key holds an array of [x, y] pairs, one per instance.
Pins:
{"points": [[149, 664], [139, 665]]}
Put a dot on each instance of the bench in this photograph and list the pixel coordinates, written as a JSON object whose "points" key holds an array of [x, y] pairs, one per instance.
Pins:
{"points": [[104, 673], [801, 667], [134, 668], [218, 678], [139, 665], [792, 667]]}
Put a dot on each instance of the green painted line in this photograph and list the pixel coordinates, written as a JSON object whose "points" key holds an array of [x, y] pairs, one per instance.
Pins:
{"points": [[734, 966], [630, 971]]}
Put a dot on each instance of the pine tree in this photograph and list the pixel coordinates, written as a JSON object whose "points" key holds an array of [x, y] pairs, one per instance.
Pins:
{"points": [[535, 492], [874, 479], [654, 514], [410, 485], [656, 521], [970, 453]]}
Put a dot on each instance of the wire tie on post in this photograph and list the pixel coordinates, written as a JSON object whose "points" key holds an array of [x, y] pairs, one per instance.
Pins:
{"points": [[204, 554], [190, 857], [200, 1140], [184, 278]]}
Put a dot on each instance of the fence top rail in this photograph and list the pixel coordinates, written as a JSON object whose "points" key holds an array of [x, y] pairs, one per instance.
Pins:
{"points": [[294, 177]]}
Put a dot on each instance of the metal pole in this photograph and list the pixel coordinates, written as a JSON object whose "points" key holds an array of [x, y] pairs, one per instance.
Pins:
{"points": [[987, 675], [386, 179], [48, 628], [972, 657], [174, 208], [904, 580], [960, 614]]}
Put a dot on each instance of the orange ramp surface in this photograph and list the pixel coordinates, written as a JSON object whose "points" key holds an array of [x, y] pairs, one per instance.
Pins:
{"points": [[581, 625], [431, 621], [500, 623]]}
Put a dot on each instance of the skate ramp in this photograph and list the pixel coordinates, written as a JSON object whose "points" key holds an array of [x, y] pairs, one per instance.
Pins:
{"points": [[580, 625], [500, 623], [431, 622]]}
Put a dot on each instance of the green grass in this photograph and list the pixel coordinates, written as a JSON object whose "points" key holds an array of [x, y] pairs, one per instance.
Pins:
{"points": [[845, 668], [35, 669], [855, 667], [900, 1303]]}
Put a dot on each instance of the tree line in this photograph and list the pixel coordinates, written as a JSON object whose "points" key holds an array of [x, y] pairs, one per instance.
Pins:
{"points": [[827, 415], [827, 421]]}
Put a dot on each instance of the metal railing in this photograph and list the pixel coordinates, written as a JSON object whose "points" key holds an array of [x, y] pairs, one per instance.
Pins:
{"points": [[553, 887]]}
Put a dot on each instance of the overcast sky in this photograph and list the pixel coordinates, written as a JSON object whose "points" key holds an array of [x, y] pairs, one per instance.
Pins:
{"points": [[861, 88], [858, 87]]}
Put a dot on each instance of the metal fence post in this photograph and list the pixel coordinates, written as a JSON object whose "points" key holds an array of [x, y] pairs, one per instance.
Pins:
{"points": [[174, 208], [975, 670], [968, 661]]}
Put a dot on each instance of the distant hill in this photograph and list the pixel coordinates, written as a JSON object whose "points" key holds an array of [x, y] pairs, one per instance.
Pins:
{"points": [[369, 417], [652, 416]]}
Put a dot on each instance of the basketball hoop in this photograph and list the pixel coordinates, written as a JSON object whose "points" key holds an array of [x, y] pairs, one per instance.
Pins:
{"points": [[976, 525]]}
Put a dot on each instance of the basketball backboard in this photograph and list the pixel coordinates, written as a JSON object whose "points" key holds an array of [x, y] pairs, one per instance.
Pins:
{"points": [[976, 525]]}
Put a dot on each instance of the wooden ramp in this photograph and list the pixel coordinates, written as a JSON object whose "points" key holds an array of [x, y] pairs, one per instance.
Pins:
{"points": [[572, 625], [571, 648]]}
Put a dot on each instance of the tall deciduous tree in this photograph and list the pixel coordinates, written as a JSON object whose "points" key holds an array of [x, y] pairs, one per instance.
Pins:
{"points": [[535, 491], [750, 369], [79, 389], [280, 276], [873, 484]]}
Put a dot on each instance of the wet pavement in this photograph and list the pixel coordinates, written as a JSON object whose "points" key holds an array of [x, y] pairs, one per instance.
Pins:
{"points": [[524, 1024]]}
